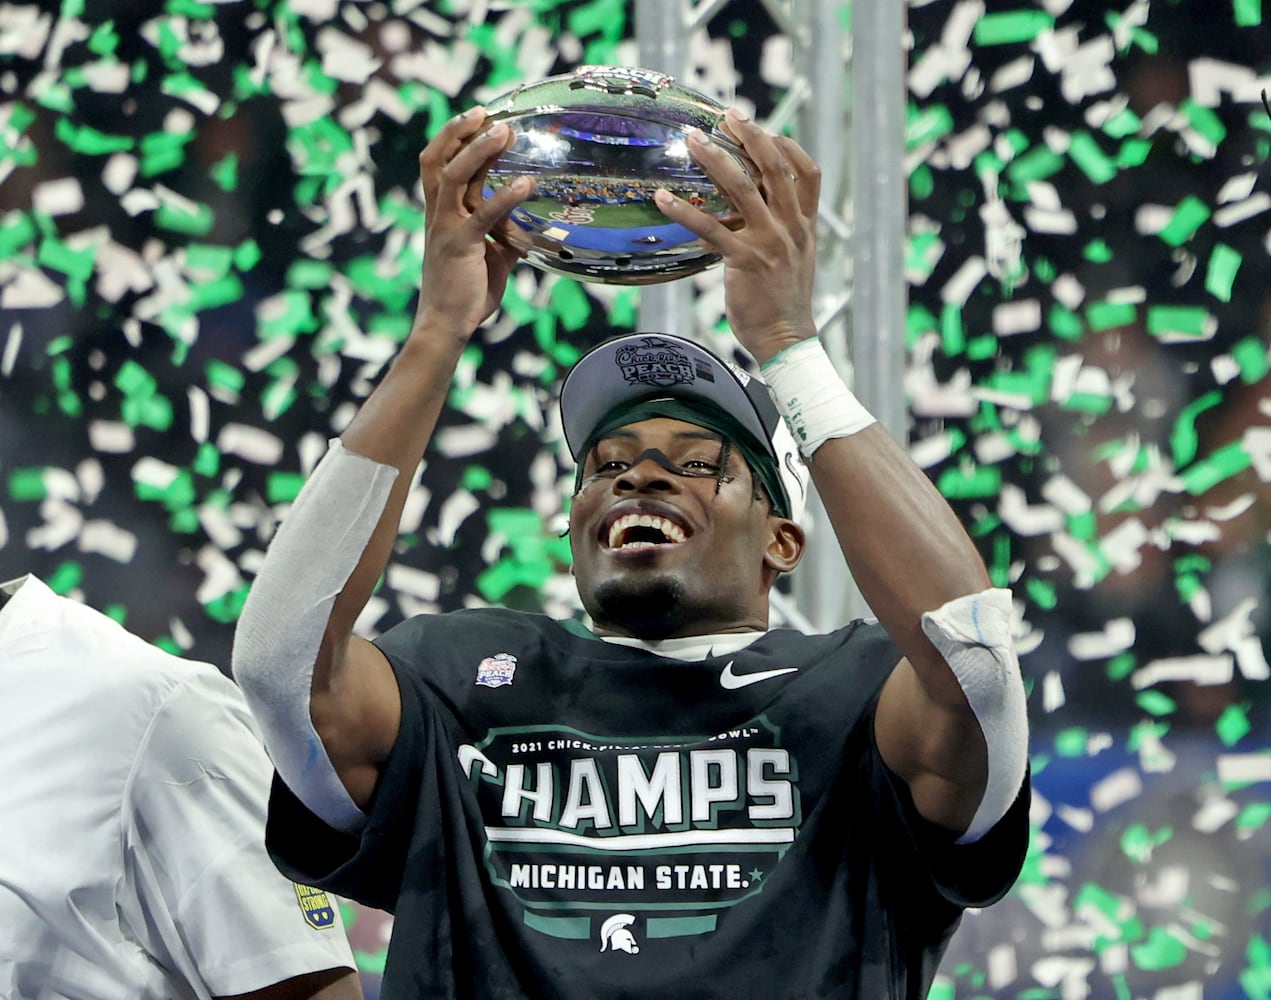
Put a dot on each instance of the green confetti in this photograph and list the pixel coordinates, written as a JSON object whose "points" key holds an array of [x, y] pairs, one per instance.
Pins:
{"points": [[1097, 251], [1248, 13], [89, 141], [926, 125], [570, 304], [283, 487], [223, 376], [1220, 276], [1184, 440], [227, 608], [1043, 593], [1156, 703], [1064, 323], [1204, 121], [1233, 725], [65, 578], [1188, 217], [1121, 666], [1251, 355], [1035, 165], [207, 462], [1224, 463], [1254, 816], [1085, 152], [1010, 27], [1188, 321], [476, 478], [162, 151], [970, 482], [26, 485], [1109, 315], [952, 335], [224, 172], [1072, 742], [195, 222], [104, 39], [1161, 950]]}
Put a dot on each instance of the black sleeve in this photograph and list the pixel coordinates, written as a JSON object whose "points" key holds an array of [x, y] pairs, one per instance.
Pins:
{"points": [[967, 875]]}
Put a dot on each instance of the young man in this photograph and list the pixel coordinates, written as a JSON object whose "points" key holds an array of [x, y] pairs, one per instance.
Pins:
{"points": [[676, 802], [133, 790]]}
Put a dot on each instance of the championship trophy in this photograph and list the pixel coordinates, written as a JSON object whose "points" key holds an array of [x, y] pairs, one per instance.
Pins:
{"points": [[599, 142]]}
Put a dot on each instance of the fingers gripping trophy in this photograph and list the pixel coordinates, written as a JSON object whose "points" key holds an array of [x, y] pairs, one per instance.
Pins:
{"points": [[669, 798]]}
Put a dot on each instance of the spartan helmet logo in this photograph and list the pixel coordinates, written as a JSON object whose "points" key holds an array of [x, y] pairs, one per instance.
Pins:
{"points": [[614, 934]]}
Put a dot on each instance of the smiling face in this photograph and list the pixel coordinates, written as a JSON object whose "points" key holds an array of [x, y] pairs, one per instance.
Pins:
{"points": [[667, 541]]}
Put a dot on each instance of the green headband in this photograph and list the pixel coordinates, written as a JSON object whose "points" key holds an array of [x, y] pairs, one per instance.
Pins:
{"points": [[762, 465]]}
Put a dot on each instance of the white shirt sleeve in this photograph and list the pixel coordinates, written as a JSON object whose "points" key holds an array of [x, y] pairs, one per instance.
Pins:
{"points": [[194, 828]]}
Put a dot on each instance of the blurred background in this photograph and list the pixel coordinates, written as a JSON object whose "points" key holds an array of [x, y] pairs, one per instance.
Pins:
{"points": [[210, 239]]}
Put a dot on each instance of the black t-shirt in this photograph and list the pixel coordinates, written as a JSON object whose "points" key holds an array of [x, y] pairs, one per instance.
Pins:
{"points": [[569, 819]]}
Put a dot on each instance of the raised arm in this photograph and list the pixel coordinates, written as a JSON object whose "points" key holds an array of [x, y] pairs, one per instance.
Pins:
{"points": [[906, 549], [327, 701]]}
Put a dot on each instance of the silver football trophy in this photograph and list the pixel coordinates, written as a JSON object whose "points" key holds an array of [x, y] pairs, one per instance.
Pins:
{"points": [[598, 142]]}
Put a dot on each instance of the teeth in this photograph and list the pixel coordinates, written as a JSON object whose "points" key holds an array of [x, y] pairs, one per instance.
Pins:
{"points": [[671, 531]]}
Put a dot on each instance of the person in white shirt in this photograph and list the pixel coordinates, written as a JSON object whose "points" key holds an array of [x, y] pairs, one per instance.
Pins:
{"points": [[133, 791]]}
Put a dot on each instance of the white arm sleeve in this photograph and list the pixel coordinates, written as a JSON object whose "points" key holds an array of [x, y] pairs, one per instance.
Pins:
{"points": [[973, 633], [276, 642], [212, 904]]}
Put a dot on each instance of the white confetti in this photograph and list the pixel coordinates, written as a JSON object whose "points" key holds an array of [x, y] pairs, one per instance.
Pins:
{"points": [[1117, 788], [1117, 636], [12, 344], [1229, 215], [220, 575], [1208, 79], [1214, 814], [1196, 669], [31, 289], [1013, 74], [454, 511], [1026, 519], [1053, 696], [1023, 316], [24, 30], [1244, 768], [200, 413], [62, 525], [1237, 188], [251, 443], [958, 289], [417, 582], [63, 196], [344, 58], [457, 442], [104, 538]]}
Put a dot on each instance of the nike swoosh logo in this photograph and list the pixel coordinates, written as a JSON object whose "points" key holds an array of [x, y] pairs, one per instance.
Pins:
{"points": [[732, 681]]}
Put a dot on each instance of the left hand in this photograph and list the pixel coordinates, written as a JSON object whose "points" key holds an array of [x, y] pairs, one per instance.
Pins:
{"points": [[770, 262]]}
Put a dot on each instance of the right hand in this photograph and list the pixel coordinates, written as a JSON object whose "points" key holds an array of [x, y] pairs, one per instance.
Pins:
{"points": [[465, 269]]}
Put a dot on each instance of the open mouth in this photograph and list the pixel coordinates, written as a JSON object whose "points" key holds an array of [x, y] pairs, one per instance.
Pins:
{"points": [[632, 532]]}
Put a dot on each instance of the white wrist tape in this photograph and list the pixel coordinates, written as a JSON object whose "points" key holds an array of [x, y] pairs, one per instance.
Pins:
{"points": [[276, 642], [811, 396], [973, 633]]}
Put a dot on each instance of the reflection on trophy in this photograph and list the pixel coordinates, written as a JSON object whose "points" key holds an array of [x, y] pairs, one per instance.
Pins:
{"points": [[599, 142]]}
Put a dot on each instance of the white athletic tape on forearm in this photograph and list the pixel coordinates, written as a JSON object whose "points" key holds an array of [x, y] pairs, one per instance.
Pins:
{"points": [[811, 396], [973, 633], [276, 642]]}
